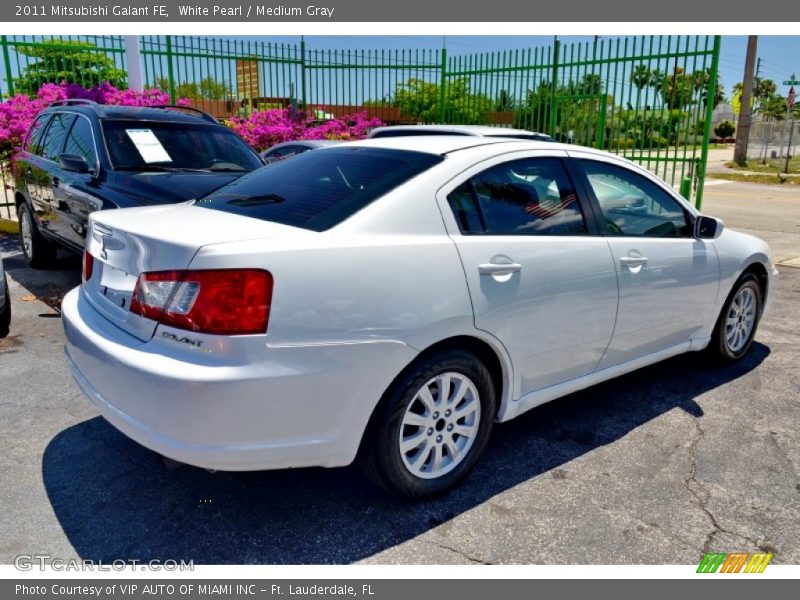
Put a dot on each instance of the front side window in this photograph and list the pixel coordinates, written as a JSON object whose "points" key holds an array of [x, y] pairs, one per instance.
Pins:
{"points": [[532, 196], [165, 145], [81, 142], [56, 134], [633, 205]]}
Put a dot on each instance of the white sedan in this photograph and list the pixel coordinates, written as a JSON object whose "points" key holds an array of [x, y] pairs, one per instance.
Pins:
{"points": [[389, 300]]}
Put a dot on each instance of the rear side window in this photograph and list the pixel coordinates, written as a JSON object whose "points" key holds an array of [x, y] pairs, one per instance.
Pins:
{"points": [[318, 190], [56, 134], [81, 142], [532, 196], [34, 142]]}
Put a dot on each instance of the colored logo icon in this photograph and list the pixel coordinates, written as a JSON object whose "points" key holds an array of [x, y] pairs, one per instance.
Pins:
{"points": [[736, 562]]}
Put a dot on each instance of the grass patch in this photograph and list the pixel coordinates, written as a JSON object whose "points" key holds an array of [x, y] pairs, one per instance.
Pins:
{"points": [[767, 179], [7, 226], [772, 165]]}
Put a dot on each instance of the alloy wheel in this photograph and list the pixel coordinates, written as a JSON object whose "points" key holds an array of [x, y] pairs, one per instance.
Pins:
{"points": [[741, 319], [440, 425]]}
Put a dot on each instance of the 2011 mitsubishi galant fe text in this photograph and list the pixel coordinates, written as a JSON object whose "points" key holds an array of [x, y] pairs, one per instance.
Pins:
{"points": [[390, 299]]}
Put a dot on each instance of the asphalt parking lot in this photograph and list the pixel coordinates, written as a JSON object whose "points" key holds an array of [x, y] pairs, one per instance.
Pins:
{"points": [[654, 467]]}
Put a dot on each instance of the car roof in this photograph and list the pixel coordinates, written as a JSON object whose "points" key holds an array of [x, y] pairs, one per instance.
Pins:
{"points": [[444, 144], [474, 130], [172, 114]]}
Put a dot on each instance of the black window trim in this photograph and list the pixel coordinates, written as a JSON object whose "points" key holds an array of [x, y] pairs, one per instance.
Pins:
{"points": [[598, 212], [94, 140], [48, 118], [587, 209], [64, 141]]}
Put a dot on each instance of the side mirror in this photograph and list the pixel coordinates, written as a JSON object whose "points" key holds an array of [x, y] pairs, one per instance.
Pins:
{"points": [[707, 228], [74, 163]]}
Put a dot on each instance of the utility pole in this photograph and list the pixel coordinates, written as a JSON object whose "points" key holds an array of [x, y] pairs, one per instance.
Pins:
{"points": [[743, 129]]}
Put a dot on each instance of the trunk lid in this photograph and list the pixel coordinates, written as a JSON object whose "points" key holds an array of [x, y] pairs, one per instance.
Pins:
{"points": [[126, 243]]}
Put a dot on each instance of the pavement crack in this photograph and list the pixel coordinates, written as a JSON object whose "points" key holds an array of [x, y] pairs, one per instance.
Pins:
{"points": [[702, 495], [471, 559]]}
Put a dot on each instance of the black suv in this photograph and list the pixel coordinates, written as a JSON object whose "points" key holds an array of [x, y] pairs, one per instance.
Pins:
{"points": [[80, 157]]}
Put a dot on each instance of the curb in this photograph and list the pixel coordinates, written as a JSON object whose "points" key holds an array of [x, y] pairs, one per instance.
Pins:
{"points": [[11, 227]]}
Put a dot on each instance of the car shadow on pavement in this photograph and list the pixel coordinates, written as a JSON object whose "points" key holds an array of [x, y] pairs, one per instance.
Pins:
{"points": [[116, 500]]}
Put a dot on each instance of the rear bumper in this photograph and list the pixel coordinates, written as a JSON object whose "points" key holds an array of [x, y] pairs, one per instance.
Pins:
{"points": [[282, 407]]}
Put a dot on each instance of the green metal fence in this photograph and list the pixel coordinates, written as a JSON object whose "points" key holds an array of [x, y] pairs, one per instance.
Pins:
{"points": [[646, 98]]}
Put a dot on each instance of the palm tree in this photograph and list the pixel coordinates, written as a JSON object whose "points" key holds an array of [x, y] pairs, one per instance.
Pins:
{"points": [[641, 76]]}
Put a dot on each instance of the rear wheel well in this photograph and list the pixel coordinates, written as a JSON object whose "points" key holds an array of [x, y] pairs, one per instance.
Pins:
{"points": [[483, 351]]}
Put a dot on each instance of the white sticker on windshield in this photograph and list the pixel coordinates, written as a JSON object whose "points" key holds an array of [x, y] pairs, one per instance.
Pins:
{"points": [[148, 145]]}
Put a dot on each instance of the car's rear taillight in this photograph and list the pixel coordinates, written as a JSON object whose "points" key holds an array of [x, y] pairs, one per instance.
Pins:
{"points": [[224, 301], [88, 265]]}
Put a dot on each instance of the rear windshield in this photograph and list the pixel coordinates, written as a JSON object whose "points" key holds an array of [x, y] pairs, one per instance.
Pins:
{"points": [[319, 189], [166, 145]]}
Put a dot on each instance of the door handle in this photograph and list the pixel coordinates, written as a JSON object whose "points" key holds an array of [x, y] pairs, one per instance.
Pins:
{"points": [[633, 261], [499, 268]]}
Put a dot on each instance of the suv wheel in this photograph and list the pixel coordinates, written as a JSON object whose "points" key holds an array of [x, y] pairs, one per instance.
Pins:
{"points": [[432, 426], [38, 251]]}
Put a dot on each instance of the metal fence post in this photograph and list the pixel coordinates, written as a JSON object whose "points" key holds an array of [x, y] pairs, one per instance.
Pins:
{"points": [[710, 95], [553, 86], [7, 61], [303, 73], [170, 72], [443, 87]]}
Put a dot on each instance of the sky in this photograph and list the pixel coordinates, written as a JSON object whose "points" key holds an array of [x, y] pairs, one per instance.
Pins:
{"points": [[780, 54]]}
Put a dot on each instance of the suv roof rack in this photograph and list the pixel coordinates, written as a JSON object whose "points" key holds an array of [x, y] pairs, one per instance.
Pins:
{"points": [[190, 109], [72, 102]]}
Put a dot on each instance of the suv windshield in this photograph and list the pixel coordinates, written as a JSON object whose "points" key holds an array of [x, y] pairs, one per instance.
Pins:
{"points": [[164, 145], [317, 190]]}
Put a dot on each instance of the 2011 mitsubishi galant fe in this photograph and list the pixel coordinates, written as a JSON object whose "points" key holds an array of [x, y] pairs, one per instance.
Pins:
{"points": [[389, 300]]}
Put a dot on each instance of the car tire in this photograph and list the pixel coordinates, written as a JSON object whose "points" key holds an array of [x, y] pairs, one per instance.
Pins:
{"points": [[39, 252], [5, 312], [421, 441], [738, 321]]}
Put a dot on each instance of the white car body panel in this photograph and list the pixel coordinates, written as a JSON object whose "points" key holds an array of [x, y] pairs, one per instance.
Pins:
{"points": [[354, 305]]}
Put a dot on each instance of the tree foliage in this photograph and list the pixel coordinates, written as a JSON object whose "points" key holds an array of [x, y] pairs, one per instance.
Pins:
{"points": [[56, 61], [207, 88], [773, 107], [679, 89], [422, 99], [724, 130]]}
